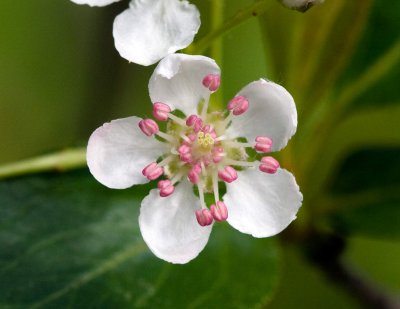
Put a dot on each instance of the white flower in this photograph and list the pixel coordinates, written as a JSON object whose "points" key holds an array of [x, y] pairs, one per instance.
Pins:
{"points": [[151, 29], [201, 150]]}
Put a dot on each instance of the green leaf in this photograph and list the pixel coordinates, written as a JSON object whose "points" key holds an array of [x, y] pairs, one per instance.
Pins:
{"points": [[68, 241], [367, 198]]}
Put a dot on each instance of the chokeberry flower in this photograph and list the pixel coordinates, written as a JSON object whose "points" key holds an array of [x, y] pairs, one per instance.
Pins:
{"points": [[151, 29], [200, 153]]}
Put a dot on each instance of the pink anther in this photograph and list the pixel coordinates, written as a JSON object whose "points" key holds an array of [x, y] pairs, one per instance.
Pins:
{"points": [[238, 105], [228, 174], [204, 217], [191, 120], [185, 153], [152, 171], [219, 211], [269, 165], [195, 122], [166, 188], [194, 174], [148, 126], [217, 154], [160, 111], [263, 144], [212, 82]]}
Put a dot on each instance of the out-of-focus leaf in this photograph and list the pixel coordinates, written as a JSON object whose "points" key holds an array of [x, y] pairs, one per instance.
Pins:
{"points": [[366, 196], [378, 220], [68, 241], [374, 127]]}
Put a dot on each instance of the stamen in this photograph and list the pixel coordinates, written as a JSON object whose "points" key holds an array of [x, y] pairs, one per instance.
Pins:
{"points": [[177, 119], [201, 194], [195, 122], [161, 111], [152, 171], [212, 82], [228, 174], [166, 160], [166, 188], [177, 177], [148, 127], [269, 165], [227, 120], [185, 153], [166, 136], [219, 211], [218, 154], [204, 217], [263, 144], [215, 185], [238, 105], [194, 174], [241, 163], [234, 143]]}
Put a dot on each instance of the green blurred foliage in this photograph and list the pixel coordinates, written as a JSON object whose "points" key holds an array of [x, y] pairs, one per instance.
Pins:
{"points": [[67, 247], [61, 78]]}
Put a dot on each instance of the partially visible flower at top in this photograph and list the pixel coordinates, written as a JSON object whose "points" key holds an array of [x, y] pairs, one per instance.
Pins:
{"points": [[300, 5], [201, 150], [151, 29]]}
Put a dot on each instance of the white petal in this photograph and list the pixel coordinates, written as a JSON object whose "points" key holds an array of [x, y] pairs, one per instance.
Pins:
{"points": [[177, 81], [271, 113], [151, 29], [262, 204], [95, 2], [169, 225], [118, 151]]}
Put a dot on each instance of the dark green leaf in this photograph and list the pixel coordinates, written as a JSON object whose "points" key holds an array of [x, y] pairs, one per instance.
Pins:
{"points": [[68, 241]]}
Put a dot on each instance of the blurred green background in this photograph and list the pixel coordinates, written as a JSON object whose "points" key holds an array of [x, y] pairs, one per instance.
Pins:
{"points": [[61, 78]]}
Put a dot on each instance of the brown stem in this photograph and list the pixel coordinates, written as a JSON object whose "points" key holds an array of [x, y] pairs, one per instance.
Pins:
{"points": [[325, 252]]}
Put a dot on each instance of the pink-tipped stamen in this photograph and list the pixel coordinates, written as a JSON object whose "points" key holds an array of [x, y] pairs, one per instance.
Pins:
{"points": [[166, 188], [212, 82], [218, 154], [195, 122], [238, 105], [194, 174], [228, 174], [269, 165], [161, 111], [152, 171], [219, 211], [263, 144], [185, 153], [204, 217], [148, 127]]}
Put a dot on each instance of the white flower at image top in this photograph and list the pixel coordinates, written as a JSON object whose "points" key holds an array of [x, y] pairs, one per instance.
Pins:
{"points": [[151, 29], [198, 152]]}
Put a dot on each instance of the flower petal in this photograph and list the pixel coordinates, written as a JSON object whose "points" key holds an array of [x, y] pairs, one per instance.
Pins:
{"points": [[151, 29], [169, 225], [118, 151], [262, 204], [177, 81], [95, 2], [271, 113]]}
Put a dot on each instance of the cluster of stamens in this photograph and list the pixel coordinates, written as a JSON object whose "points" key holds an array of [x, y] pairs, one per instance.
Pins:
{"points": [[199, 150]]}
